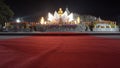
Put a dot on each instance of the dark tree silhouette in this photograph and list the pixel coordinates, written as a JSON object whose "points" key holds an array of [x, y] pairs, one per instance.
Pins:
{"points": [[5, 13]]}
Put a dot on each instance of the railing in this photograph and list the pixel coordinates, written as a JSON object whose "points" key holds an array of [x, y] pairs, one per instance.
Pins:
{"points": [[106, 29]]}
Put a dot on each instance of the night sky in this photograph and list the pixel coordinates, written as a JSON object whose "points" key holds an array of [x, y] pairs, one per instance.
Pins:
{"points": [[105, 9]]}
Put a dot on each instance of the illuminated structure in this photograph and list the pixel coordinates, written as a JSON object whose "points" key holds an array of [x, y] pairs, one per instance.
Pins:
{"points": [[60, 18], [103, 25], [61, 21]]}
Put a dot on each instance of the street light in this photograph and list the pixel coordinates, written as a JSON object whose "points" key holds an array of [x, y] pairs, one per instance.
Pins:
{"points": [[18, 20]]}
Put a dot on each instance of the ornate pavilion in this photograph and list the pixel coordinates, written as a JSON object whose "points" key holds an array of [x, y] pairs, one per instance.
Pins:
{"points": [[60, 21]]}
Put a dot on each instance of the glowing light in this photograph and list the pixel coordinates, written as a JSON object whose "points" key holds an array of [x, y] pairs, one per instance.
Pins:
{"points": [[75, 22], [78, 20], [56, 15], [50, 17], [60, 12], [65, 14], [60, 17], [18, 20], [65, 17], [45, 22], [42, 21], [70, 17]]}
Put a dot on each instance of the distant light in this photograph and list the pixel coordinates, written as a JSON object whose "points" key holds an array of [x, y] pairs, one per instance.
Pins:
{"points": [[42, 21], [18, 20], [78, 20]]}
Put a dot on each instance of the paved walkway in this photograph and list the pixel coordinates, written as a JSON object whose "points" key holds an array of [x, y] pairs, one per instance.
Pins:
{"points": [[60, 52]]}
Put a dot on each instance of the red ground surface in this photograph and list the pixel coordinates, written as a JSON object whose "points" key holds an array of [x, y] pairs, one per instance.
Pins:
{"points": [[60, 52]]}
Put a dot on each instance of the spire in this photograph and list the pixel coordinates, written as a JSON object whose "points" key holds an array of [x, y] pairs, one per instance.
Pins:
{"points": [[99, 19], [67, 10]]}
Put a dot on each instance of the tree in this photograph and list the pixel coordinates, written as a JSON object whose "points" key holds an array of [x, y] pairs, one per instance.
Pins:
{"points": [[5, 13]]}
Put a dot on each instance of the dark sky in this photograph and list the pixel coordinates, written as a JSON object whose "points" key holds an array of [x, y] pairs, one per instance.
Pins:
{"points": [[104, 8]]}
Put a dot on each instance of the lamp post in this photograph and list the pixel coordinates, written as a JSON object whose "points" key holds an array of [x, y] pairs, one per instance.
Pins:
{"points": [[17, 25]]}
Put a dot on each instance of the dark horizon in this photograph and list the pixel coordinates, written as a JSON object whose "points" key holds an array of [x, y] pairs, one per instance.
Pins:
{"points": [[105, 9]]}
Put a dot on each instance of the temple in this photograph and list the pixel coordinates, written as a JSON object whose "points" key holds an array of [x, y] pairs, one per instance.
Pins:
{"points": [[61, 17], [62, 21]]}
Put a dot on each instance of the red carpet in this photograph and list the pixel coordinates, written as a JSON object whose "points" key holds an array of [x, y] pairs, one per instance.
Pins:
{"points": [[60, 52]]}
